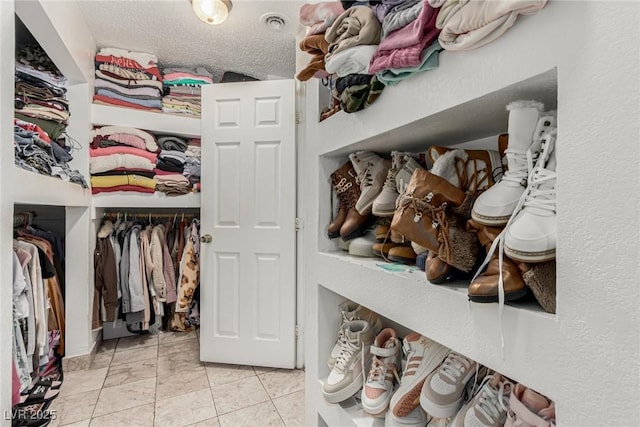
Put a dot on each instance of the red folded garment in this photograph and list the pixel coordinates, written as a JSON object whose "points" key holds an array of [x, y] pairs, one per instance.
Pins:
{"points": [[112, 101], [123, 149], [33, 128], [128, 63], [164, 172], [129, 188]]}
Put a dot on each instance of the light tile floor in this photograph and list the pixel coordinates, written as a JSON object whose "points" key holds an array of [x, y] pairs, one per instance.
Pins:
{"points": [[158, 380]]}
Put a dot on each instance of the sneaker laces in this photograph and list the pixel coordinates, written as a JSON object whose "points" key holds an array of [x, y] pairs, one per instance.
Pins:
{"points": [[380, 366], [364, 177], [519, 166], [347, 350], [491, 401], [543, 193], [454, 366], [390, 182]]}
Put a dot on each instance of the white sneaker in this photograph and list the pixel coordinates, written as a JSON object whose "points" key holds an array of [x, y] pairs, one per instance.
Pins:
{"points": [[363, 246], [349, 310], [422, 357], [526, 128], [385, 204], [372, 172], [416, 418], [531, 236], [443, 389], [488, 408], [378, 389], [346, 377]]}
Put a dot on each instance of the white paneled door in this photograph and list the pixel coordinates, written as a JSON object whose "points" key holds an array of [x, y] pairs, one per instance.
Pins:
{"points": [[248, 288]]}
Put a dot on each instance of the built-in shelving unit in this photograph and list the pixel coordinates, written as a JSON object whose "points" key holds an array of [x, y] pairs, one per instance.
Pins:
{"points": [[160, 123], [36, 189], [135, 200], [564, 356]]}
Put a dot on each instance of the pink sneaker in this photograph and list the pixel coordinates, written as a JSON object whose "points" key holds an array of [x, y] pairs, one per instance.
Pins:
{"points": [[378, 389], [529, 409], [423, 356]]}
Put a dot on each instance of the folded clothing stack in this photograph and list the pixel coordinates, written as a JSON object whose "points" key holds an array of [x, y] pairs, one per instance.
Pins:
{"points": [[36, 152], [128, 79], [170, 166], [40, 92], [122, 159], [183, 86], [41, 117], [192, 165]]}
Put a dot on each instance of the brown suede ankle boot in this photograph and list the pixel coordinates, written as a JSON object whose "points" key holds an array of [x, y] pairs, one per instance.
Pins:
{"points": [[485, 287], [432, 213], [541, 279]]}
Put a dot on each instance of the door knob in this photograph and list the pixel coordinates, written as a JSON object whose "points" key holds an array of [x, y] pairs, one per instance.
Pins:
{"points": [[207, 238]]}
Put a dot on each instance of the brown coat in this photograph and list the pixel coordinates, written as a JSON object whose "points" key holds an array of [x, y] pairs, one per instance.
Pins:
{"points": [[105, 279]]}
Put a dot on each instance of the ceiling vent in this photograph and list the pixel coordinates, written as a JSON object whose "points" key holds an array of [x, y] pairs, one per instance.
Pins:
{"points": [[273, 21]]}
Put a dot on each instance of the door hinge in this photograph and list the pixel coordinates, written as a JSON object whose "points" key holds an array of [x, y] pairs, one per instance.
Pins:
{"points": [[298, 331], [298, 224], [298, 117]]}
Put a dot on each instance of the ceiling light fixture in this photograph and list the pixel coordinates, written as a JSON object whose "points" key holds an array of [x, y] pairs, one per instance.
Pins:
{"points": [[212, 12]]}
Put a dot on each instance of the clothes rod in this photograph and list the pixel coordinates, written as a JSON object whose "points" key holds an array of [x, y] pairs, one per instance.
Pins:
{"points": [[148, 215]]}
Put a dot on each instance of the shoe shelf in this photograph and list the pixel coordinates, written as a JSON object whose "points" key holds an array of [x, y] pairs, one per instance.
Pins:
{"points": [[35, 189], [159, 123], [346, 414], [436, 311]]}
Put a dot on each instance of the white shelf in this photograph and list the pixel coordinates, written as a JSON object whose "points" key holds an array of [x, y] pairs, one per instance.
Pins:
{"points": [[159, 123], [348, 413], [437, 310], [139, 200], [35, 189]]}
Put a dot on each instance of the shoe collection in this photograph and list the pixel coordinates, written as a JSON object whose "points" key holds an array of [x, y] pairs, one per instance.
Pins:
{"points": [[415, 381], [469, 205]]}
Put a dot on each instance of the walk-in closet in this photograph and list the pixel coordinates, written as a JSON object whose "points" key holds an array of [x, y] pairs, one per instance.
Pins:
{"points": [[319, 213]]}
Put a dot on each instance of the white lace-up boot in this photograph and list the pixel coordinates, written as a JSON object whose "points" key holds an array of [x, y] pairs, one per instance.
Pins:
{"points": [[444, 388], [489, 407], [526, 126], [531, 236], [385, 203], [349, 311], [378, 389], [346, 377], [372, 172], [422, 357]]}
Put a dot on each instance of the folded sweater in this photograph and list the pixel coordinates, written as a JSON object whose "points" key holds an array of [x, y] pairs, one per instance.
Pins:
{"points": [[354, 60], [116, 180], [355, 26], [319, 16], [316, 46], [150, 141], [115, 161], [98, 152]]}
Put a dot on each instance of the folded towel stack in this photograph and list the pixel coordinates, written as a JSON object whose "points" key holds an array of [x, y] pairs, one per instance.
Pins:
{"points": [[128, 79]]}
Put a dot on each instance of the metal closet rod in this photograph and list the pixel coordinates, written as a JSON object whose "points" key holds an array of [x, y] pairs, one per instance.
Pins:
{"points": [[149, 215]]}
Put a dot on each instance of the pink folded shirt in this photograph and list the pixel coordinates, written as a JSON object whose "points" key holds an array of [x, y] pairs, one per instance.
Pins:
{"points": [[97, 152]]}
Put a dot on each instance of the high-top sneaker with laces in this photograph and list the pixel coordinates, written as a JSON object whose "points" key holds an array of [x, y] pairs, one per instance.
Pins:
{"points": [[349, 311], [416, 418], [371, 172], [488, 408], [531, 236], [443, 389], [526, 128], [403, 176], [378, 389], [385, 204], [348, 223], [529, 409], [422, 357], [346, 376]]}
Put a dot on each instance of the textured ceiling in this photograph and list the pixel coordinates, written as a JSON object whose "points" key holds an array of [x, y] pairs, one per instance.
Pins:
{"points": [[170, 30]]}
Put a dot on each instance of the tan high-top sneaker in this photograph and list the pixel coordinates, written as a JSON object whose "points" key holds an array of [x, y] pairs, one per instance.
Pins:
{"points": [[371, 172]]}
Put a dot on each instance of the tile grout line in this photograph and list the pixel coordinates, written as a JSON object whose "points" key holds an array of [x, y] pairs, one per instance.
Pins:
{"points": [[271, 399], [155, 393]]}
